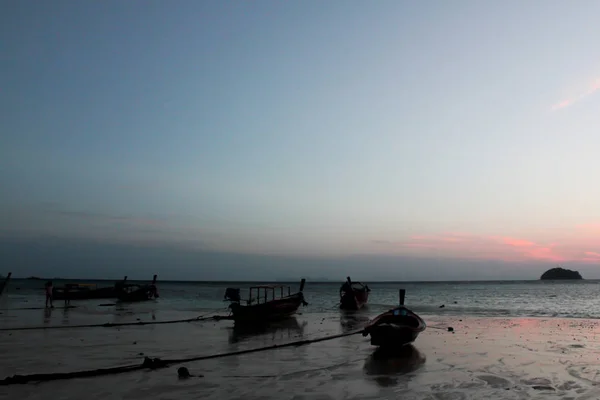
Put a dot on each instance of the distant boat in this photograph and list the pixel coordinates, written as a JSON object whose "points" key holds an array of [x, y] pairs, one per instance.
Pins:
{"points": [[266, 306], [34, 278], [135, 293], [353, 295], [395, 328], [84, 291]]}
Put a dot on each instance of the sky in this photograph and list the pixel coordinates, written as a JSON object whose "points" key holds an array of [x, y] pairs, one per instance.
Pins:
{"points": [[459, 135]]}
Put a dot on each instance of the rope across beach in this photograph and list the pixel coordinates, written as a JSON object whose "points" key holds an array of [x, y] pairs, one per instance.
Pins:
{"points": [[156, 363]]}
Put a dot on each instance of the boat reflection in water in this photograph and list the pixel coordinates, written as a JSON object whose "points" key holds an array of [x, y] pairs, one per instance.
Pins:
{"points": [[386, 366], [284, 329]]}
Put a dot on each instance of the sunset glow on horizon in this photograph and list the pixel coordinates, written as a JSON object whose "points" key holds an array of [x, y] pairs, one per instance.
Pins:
{"points": [[580, 245]]}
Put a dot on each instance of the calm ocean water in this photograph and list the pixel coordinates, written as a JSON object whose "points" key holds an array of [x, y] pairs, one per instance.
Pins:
{"points": [[574, 299]]}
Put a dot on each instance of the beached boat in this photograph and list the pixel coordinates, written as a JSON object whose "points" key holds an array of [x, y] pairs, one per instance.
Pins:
{"points": [[266, 306], [353, 295], [83, 291], [134, 293], [395, 328]]}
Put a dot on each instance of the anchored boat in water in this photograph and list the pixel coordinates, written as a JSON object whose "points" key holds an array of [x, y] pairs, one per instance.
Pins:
{"points": [[134, 293], [396, 327], [84, 291], [271, 303], [353, 295]]}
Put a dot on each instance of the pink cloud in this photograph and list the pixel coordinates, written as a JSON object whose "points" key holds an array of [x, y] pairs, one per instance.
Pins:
{"points": [[562, 104], [581, 244], [594, 87], [518, 242]]}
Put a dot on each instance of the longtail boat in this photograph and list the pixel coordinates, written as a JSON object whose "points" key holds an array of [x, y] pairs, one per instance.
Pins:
{"points": [[353, 295], [267, 306], [135, 293], [396, 327], [84, 291]]}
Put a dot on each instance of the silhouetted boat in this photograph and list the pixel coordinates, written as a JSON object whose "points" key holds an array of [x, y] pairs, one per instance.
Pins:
{"points": [[396, 327], [135, 293], [83, 291], [353, 295], [271, 307]]}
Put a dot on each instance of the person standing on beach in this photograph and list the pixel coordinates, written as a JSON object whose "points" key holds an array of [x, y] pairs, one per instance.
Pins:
{"points": [[49, 289]]}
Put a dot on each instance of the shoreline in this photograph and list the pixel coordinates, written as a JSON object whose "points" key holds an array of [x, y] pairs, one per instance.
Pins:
{"points": [[495, 357]]}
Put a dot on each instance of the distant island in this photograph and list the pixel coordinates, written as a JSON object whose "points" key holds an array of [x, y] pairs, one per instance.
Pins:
{"points": [[560, 273]]}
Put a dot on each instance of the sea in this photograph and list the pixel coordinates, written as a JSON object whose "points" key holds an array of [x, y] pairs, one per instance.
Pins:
{"points": [[564, 299]]}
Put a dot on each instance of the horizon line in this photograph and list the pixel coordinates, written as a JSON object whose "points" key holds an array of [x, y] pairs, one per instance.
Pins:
{"points": [[307, 281]]}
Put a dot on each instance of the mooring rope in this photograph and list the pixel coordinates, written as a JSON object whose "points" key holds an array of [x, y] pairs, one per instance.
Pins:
{"points": [[117, 324], [447, 328], [36, 308], [156, 363]]}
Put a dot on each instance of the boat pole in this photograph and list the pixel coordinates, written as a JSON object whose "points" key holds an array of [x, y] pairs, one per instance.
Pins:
{"points": [[402, 295], [5, 283], [350, 283], [302, 284]]}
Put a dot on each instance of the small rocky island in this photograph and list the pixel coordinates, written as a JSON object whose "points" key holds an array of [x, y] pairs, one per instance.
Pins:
{"points": [[560, 273]]}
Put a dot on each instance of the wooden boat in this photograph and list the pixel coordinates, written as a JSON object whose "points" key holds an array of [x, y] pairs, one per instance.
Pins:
{"points": [[353, 295], [83, 291], [266, 306], [395, 328], [134, 293]]}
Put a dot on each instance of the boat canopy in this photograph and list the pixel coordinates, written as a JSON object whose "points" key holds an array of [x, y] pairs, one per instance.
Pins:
{"points": [[269, 286]]}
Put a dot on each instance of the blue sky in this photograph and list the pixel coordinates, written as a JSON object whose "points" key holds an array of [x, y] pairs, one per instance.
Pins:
{"points": [[450, 129]]}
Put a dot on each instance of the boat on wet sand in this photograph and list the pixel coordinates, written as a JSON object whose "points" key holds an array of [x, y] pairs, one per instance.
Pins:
{"points": [[353, 295], [271, 303], [395, 328]]}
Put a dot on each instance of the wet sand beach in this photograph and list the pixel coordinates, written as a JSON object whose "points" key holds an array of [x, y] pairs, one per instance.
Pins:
{"points": [[508, 358]]}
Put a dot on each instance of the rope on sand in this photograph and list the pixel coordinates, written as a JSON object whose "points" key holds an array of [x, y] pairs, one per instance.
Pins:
{"points": [[36, 308], [112, 325], [448, 328], [156, 363]]}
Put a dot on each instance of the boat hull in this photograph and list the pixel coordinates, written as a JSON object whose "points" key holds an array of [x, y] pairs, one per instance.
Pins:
{"points": [[354, 300], [388, 335], [136, 296], [135, 293], [269, 311], [78, 294], [395, 328]]}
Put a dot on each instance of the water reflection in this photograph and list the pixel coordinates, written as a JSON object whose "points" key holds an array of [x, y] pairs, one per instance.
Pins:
{"points": [[288, 328], [352, 320], [47, 315], [65, 319], [387, 366]]}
